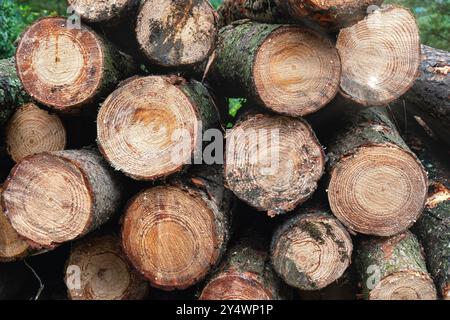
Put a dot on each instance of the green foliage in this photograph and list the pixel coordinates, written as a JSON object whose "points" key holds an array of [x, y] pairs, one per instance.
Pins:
{"points": [[433, 18], [216, 3], [235, 104], [15, 16]]}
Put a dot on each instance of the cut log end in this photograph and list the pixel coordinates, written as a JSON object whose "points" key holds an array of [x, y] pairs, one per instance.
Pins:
{"points": [[172, 236], [273, 162], [32, 130], [405, 285], [60, 66], [101, 11], [380, 190], [12, 247], [296, 71], [175, 33], [48, 200], [235, 285], [148, 128], [380, 56], [311, 251], [105, 273]]}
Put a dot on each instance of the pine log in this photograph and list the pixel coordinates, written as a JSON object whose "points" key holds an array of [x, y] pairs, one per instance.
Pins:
{"points": [[68, 68], [12, 247], [433, 228], [107, 12], [380, 56], [273, 162], [429, 98], [245, 274], [287, 69], [105, 273], [175, 234], [33, 130], [152, 126], [53, 198], [377, 185], [332, 15], [345, 288], [394, 269], [311, 250], [177, 33], [12, 93]]}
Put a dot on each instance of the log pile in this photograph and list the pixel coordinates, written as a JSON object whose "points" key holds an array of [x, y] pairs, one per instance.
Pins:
{"points": [[121, 158]]}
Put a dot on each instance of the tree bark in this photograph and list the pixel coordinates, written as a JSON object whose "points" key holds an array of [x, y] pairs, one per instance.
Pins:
{"points": [[175, 33], [394, 269], [104, 272], [12, 93], [332, 16], [432, 228], [107, 13], [33, 130], [287, 69], [311, 250], [141, 106], [68, 69], [53, 198], [377, 185], [380, 56], [429, 97], [186, 224], [273, 162], [245, 274]]}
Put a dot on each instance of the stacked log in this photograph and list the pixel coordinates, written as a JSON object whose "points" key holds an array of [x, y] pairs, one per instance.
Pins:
{"points": [[152, 127], [287, 69], [332, 15], [185, 226], [104, 12], [97, 269], [311, 250], [377, 186], [33, 130], [273, 162], [53, 198], [68, 68], [394, 268]]}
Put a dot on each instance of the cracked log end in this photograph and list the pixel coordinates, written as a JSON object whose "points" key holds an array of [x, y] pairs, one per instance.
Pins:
{"points": [[148, 128], [296, 71], [273, 174], [172, 236], [175, 33], [380, 56], [105, 273], [32, 130], [311, 251], [59, 66], [379, 190]]}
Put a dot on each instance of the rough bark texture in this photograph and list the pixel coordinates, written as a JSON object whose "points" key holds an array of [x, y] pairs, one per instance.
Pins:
{"points": [[273, 162], [141, 106], [380, 56], [85, 67], [105, 273], [33, 130], [394, 268], [287, 69], [332, 16], [429, 98], [187, 226], [377, 185], [12, 93], [107, 13], [245, 274], [175, 33], [311, 250], [73, 192], [433, 228]]}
